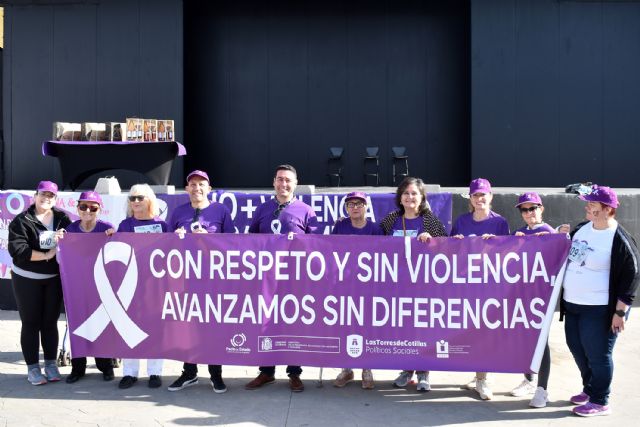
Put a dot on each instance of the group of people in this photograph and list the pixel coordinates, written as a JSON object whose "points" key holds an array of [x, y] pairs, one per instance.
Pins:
{"points": [[600, 281]]}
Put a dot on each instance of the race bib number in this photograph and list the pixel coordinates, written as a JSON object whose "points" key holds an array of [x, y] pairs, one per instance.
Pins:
{"points": [[151, 228], [408, 233], [578, 251], [47, 239]]}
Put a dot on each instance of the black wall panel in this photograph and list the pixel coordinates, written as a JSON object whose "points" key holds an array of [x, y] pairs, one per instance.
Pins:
{"points": [[86, 61], [555, 81], [282, 81]]}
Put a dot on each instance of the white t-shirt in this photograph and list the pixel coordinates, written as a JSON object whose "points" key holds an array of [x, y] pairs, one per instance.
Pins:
{"points": [[586, 280]]}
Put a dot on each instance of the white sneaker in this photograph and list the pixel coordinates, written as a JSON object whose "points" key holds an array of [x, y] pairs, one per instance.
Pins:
{"points": [[403, 379], [483, 390], [471, 385], [524, 388], [540, 399], [423, 383]]}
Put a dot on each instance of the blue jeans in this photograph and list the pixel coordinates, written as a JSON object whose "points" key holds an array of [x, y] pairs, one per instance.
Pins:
{"points": [[588, 333]]}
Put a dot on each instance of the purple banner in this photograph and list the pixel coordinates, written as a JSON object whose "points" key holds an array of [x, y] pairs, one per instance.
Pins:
{"points": [[333, 301]]}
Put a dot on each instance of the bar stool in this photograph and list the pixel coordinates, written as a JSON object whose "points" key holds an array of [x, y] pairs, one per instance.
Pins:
{"points": [[402, 160], [334, 165], [371, 159]]}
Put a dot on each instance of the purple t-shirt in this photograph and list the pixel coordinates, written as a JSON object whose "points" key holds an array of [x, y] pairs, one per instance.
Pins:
{"points": [[344, 226], [100, 227], [215, 218], [538, 228], [296, 217], [412, 227], [467, 226], [132, 225]]}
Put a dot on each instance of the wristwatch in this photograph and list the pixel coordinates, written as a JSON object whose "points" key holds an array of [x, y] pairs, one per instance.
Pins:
{"points": [[621, 313]]}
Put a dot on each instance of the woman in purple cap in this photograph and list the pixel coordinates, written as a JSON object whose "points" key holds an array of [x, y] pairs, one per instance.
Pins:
{"points": [[531, 208], [142, 217], [35, 276], [89, 207], [600, 284], [413, 218], [356, 224], [480, 221]]}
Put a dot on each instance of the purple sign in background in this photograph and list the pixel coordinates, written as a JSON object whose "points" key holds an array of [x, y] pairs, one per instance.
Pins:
{"points": [[339, 301], [328, 208]]}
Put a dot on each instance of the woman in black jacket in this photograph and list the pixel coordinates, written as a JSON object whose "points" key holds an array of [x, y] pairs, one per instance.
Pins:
{"points": [[413, 219], [35, 277], [600, 284]]}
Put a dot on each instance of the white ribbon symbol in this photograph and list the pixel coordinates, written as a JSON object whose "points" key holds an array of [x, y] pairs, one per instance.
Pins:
{"points": [[276, 226], [113, 309]]}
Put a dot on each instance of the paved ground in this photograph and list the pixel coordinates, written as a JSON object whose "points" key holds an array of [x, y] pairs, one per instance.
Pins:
{"points": [[91, 401]]}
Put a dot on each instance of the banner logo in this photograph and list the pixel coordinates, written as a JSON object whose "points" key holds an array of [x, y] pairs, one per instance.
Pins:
{"points": [[238, 340], [113, 308], [442, 349], [266, 344], [354, 345]]}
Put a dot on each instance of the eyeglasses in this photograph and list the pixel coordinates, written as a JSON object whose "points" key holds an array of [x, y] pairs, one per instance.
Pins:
{"points": [[531, 209], [136, 198], [85, 208], [351, 205]]}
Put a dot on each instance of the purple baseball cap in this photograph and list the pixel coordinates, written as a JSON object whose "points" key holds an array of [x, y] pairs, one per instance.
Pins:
{"points": [[90, 196], [604, 195], [201, 174], [49, 186], [479, 185], [356, 195], [530, 197]]}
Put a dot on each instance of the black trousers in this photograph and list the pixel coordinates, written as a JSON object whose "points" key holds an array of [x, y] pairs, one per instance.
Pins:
{"points": [[291, 370], [192, 369], [79, 365], [39, 303]]}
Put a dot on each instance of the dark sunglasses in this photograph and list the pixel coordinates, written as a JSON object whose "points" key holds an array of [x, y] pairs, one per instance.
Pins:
{"points": [[136, 198], [85, 208], [280, 208], [531, 209]]}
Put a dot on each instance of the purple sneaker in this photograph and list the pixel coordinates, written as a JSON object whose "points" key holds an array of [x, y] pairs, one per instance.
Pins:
{"points": [[580, 399], [591, 410]]}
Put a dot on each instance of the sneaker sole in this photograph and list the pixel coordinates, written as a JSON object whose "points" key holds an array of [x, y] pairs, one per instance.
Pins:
{"points": [[396, 385], [595, 414], [340, 385], [579, 402], [521, 394], [538, 406], [219, 391], [185, 385], [40, 383]]}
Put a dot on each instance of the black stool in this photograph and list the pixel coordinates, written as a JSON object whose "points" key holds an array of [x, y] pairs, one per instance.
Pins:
{"points": [[371, 159], [334, 165], [401, 159]]}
